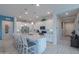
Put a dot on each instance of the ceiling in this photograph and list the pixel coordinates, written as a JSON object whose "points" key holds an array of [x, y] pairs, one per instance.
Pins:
{"points": [[69, 16], [18, 10]]}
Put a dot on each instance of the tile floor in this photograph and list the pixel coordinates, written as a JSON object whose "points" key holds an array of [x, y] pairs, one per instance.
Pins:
{"points": [[63, 47]]}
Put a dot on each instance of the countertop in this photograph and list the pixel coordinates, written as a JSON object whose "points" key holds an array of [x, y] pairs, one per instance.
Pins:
{"points": [[32, 37]]}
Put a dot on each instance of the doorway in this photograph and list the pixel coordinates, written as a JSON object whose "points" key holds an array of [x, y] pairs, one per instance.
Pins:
{"points": [[7, 31], [68, 27]]}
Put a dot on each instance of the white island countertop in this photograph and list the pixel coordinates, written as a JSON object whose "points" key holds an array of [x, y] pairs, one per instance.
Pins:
{"points": [[32, 37]]}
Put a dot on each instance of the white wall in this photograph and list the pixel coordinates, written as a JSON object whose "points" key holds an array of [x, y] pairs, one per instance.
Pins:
{"points": [[57, 29], [48, 24], [77, 24], [20, 24]]}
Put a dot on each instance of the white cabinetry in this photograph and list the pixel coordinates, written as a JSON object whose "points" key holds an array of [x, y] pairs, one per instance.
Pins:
{"points": [[49, 38]]}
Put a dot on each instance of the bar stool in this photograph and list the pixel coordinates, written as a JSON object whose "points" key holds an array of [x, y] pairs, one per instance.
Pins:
{"points": [[31, 46], [19, 44], [24, 45], [27, 46]]}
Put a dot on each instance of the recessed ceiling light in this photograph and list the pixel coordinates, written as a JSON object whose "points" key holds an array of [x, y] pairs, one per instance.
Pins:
{"points": [[51, 30], [18, 30], [66, 13], [21, 25], [25, 24], [26, 13], [37, 5], [32, 23], [48, 12]]}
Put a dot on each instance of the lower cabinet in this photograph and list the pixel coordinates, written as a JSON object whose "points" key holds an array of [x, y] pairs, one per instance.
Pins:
{"points": [[49, 38], [40, 46]]}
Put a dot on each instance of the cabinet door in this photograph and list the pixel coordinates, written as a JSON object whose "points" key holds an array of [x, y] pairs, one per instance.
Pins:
{"points": [[49, 37], [41, 45]]}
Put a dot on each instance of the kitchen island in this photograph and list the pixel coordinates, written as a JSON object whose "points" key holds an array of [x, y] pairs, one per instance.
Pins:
{"points": [[39, 40]]}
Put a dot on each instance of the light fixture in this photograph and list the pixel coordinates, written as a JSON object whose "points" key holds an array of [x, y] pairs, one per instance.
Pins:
{"points": [[18, 30], [48, 12], [37, 5], [26, 13], [51, 30], [66, 13], [32, 23], [25, 24], [21, 25]]}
